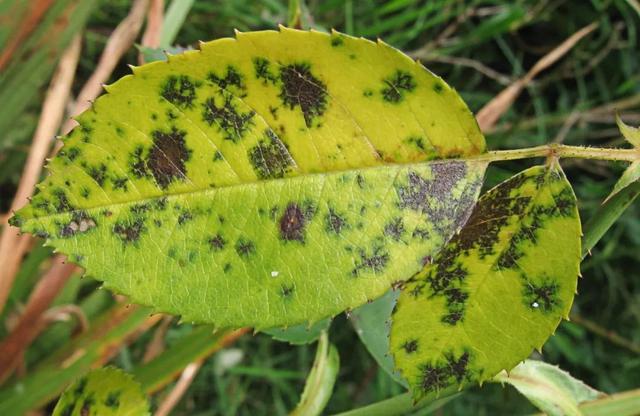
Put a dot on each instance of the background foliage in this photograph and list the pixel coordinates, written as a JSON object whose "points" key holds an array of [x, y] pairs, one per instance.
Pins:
{"points": [[478, 47]]}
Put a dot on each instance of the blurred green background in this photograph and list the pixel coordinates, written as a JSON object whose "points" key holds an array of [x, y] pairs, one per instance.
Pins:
{"points": [[478, 47]]}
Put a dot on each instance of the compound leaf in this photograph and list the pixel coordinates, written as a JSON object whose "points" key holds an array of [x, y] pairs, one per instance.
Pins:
{"points": [[105, 391], [268, 180], [497, 290]]}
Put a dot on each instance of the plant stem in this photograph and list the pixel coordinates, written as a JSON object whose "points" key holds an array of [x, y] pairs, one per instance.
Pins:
{"points": [[561, 151]]}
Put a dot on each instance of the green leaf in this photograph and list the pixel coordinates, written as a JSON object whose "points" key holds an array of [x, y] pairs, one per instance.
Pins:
{"points": [[549, 388], [105, 391], [631, 175], [632, 134], [372, 323], [268, 180], [299, 334], [496, 291], [321, 379]]}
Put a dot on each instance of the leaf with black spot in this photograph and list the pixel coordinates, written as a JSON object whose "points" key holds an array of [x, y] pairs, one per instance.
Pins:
{"points": [[496, 291], [106, 391]]}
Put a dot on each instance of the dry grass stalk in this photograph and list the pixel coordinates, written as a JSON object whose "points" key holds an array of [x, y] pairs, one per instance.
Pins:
{"points": [[118, 44], [12, 245], [156, 345], [489, 114], [185, 380], [151, 35], [30, 322]]}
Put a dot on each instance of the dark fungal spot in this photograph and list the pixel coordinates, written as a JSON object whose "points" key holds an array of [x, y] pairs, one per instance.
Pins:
{"points": [[67, 410], [397, 85], [129, 230], [394, 228], [217, 156], [137, 164], [292, 223], [227, 267], [360, 181], [245, 247], [70, 154], [367, 92], [417, 141], [140, 208], [270, 158], [120, 183], [179, 90], [334, 222], [232, 78], [420, 233], [61, 201], [410, 346], [438, 87], [119, 131], [435, 377], [262, 70], [184, 217], [79, 390], [301, 89], [232, 123], [217, 242], [286, 290], [374, 262], [98, 173], [543, 297], [336, 40], [89, 402], [113, 399], [85, 192], [167, 157]]}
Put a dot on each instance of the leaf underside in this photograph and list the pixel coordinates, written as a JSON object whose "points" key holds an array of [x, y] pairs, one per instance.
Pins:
{"points": [[266, 180], [496, 291], [105, 391]]}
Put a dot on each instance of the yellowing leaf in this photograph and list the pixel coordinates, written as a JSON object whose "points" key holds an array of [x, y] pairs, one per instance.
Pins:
{"points": [[496, 291], [105, 391], [266, 180]]}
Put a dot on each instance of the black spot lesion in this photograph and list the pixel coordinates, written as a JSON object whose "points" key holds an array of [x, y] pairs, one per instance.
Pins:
{"points": [[245, 247], [335, 222], [286, 290], [262, 69], [374, 262], [294, 220], [217, 242], [270, 158], [98, 173], [167, 157], [113, 399], [230, 121], [336, 40], [544, 296], [300, 88], [60, 201], [129, 230], [437, 376], [395, 229], [397, 85], [410, 346], [180, 90], [232, 78], [69, 154]]}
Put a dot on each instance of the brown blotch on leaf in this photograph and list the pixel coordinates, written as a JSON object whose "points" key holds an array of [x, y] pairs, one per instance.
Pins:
{"points": [[167, 157], [410, 346], [300, 88], [334, 222], [543, 297], [292, 223], [245, 247], [394, 228], [375, 262]]}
